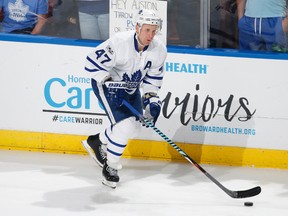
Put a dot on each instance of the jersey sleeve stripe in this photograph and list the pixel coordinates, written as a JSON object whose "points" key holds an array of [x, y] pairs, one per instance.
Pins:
{"points": [[148, 83], [91, 70], [95, 64], [154, 77]]}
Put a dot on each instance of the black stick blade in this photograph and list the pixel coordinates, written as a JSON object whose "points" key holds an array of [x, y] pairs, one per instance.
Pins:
{"points": [[247, 193], [234, 194]]}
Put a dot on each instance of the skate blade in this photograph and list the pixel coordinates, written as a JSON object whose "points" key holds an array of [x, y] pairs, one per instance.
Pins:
{"points": [[91, 152], [109, 183]]}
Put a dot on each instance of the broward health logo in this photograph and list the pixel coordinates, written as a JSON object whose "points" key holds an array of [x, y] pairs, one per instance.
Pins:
{"points": [[192, 68]]}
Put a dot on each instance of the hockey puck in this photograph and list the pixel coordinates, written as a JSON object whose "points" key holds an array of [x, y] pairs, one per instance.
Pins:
{"points": [[248, 203]]}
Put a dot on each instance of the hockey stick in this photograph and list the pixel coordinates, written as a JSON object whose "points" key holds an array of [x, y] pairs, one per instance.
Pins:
{"points": [[234, 194]]}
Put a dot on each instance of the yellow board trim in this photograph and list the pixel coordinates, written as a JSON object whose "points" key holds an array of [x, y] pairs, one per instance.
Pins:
{"points": [[151, 150]]}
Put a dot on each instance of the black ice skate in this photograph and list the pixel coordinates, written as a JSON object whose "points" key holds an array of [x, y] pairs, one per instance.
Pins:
{"points": [[110, 176], [95, 149]]}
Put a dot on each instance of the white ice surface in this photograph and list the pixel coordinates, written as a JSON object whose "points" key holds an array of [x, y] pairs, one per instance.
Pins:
{"points": [[34, 183]]}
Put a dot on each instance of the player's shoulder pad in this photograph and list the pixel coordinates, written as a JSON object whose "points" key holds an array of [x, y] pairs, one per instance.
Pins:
{"points": [[159, 44], [119, 41], [121, 37]]}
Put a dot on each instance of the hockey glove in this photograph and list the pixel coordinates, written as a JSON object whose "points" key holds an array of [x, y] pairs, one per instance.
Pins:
{"points": [[152, 107], [116, 92]]}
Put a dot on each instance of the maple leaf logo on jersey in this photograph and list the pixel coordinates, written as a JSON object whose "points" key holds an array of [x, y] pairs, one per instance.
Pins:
{"points": [[133, 82], [18, 11]]}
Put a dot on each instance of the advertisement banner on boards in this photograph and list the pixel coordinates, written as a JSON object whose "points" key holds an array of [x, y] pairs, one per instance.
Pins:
{"points": [[227, 100], [207, 99]]}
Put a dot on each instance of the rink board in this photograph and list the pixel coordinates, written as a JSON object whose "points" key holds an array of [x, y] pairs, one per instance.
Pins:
{"points": [[229, 102], [149, 150]]}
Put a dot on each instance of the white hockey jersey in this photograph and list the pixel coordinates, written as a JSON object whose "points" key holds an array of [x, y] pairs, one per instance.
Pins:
{"points": [[118, 58]]}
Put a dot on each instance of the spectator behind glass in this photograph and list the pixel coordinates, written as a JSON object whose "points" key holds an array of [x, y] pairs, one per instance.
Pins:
{"points": [[51, 5], [63, 19], [1, 17], [223, 24], [94, 19], [24, 16], [261, 24], [1, 14]]}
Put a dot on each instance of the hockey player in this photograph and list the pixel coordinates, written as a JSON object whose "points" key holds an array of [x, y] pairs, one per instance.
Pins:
{"points": [[118, 68]]}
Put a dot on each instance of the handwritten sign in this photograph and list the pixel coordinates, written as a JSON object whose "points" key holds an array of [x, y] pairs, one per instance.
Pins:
{"points": [[123, 15]]}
